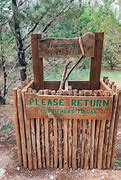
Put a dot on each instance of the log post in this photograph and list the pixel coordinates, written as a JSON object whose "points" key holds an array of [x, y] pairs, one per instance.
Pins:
{"points": [[37, 62], [95, 68]]}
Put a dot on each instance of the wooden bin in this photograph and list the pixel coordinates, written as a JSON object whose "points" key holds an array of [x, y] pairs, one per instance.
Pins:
{"points": [[76, 130]]}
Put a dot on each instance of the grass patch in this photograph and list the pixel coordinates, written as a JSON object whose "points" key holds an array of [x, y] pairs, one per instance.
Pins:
{"points": [[6, 128], [117, 162], [77, 74]]}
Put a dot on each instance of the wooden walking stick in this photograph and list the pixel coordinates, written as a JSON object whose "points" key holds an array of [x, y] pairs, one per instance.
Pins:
{"points": [[65, 74]]}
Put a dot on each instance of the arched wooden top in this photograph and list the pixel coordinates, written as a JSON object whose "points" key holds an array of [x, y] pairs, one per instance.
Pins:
{"points": [[67, 48]]}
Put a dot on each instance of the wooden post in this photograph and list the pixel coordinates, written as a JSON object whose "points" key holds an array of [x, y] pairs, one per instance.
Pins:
{"points": [[55, 143], [83, 142], [65, 144], [100, 145], [92, 144], [37, 62], [17, 127], [97, 130], [46, 142], [96, 62], [118, 111], [70, 142], [74, 144], [112, 127], [60, 154], [22, 127], [39, 155], [33, 136], [87, 145], [43, 142], [106, 140], [28, 133], [79, 126]]}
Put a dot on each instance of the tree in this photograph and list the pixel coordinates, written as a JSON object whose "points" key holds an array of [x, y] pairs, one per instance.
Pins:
{"points": [[19, 41]]}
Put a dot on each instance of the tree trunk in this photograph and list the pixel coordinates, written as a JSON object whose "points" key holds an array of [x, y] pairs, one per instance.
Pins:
{"points": [[19, 41], [112, 66], [3, 66]]}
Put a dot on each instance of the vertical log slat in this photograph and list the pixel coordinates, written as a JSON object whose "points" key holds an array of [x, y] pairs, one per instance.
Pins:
{"points": [[79, 139], [83, 143], [74, 145], [92, 144], [55, 143], [17, 127], [43, 142], [106, 140], [112, 130], [22, 127], [39, 155], [28, 133], [65, 144], [70, 142], [46, 142], [97, 130], [60, 142], [101, 142], [34, 150], [87, 145]]}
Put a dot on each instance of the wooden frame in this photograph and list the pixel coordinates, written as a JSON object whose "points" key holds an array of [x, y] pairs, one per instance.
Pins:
{"points": [[93, 46], [71, 141], [65, 143]]}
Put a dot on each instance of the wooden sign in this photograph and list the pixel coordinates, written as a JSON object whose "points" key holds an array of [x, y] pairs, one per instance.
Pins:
{"points": [[68, 48], [85, 107]]}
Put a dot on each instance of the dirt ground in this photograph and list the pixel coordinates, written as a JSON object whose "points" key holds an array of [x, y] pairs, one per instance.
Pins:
{"points": [[10, 170]]}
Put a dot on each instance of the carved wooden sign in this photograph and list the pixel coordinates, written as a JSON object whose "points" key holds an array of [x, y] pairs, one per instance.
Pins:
{"points": [[85, 107], [68, 48]]}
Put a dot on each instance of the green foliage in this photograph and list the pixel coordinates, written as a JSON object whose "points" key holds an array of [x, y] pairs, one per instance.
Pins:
{"points": [[117, 162], [74, 21], [6, 128]]}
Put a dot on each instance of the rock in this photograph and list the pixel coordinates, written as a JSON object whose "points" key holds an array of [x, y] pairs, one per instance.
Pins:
{"points": [[18, 168]]}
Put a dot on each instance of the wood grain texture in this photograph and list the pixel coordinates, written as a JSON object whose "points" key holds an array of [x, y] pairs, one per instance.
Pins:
{"points": [[51, 143], [112, 130], [79, 139], [22, 127], [84, 126], [106, 140], [39, 155], [43, 142], [60, 143], [33, 111], [113, 154], [95, 68], [70, 142], [47, 142], [28, 133], [37, 63], [65, 144], [34, 150], [87, 145], [97, 130], [55, 143], [17, 127], [51, 47], [92, 144], [100, 146], [74, 145]]}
